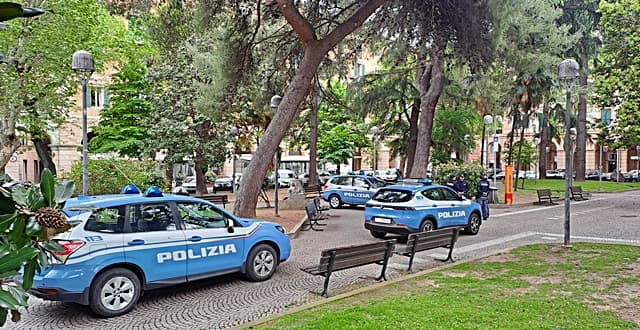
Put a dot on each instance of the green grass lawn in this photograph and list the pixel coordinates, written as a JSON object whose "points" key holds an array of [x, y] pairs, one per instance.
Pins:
{"points": [[590, 286], [589, 185]]}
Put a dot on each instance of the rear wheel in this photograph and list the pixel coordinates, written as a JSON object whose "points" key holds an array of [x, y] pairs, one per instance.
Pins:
{"points": [[261, 263], [378, 234], [334, 201], [427, 225], [114, 292], [473, 226]]}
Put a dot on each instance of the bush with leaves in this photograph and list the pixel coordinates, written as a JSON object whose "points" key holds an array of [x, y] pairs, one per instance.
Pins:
{"points": [[109, 176], [471, 173], [29, 217]]}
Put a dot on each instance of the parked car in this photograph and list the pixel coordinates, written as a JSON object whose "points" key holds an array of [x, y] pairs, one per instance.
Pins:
{"points": [[322, 177], [592, 175], [350, 189], [527, 174], [408, 208], [122, 245], [284, 178], [631, 176], [554, 174], [390, 175]]}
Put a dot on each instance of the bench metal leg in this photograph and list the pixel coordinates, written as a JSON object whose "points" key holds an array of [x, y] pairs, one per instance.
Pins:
{"points": [[413, 254], [454, 239], [387, 254], [325, 289]]}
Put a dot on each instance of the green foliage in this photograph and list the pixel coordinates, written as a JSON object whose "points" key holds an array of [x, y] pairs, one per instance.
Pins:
{"points": [[109, 176], [617, 77], [451, 124], [471, 171], [25, 238], [528, 153], [340, 131], [38, 86], [122, 126]]}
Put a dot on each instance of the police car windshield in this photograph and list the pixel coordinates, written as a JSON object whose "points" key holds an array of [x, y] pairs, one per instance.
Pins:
{"points": [[392, 196], [378, 182]]}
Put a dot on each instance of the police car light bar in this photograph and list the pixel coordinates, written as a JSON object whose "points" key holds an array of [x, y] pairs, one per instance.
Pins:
{"points": [[153, 192], [422, 181]]}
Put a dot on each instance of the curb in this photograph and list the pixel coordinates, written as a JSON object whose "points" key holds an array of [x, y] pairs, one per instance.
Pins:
{"points": [[296, 230]]}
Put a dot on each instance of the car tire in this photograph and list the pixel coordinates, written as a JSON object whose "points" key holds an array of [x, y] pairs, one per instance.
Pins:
{"points": [[378, 234], [473, 226], [261, 263], [334, 201], [114, 292], [427, 225]]}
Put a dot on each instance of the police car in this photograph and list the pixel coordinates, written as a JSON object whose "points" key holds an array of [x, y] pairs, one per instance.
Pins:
{"points": [[350, 189], [121, 245], [419, 206]]}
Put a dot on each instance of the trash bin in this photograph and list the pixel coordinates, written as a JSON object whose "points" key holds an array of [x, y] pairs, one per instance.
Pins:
{"points": [[493, 195]]}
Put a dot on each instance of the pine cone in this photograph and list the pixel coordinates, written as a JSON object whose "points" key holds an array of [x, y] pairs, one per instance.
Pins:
{"points": [[48, 217]]}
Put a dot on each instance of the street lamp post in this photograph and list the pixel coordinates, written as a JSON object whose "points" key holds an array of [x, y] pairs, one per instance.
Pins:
{"points": [[274, 104], [536, 141], [234, 133], [600, 169], [568, 72], [637, 163], [82, 64], [467, 138], [486, 120], [374, 131]]}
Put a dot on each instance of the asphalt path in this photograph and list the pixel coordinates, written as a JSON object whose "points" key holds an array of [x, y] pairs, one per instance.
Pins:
{"points": [[230, 301]]}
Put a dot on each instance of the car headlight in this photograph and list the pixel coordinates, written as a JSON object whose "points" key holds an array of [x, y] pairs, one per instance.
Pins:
{"points": [[280, 229]]}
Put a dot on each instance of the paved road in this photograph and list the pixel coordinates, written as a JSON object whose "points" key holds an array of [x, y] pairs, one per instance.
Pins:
{"points": [[231, 301]]}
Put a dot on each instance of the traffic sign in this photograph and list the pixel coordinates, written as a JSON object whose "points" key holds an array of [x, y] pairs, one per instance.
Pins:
{"points": [[634, 157], [495, 138]]}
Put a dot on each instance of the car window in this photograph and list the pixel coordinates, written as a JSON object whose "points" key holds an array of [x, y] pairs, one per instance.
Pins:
{"points": [[392, 196], [378, 182], [342, 180], [360, 182], [449, 195], [151, 217], [432, 194], [201, 215], [109, 220]]}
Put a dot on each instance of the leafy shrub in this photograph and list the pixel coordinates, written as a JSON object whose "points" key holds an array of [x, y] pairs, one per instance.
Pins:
{"points": [[471, 173], [109, 176]]}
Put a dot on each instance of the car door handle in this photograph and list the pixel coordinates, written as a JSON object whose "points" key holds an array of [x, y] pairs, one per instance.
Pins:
{"points": [[434, 205], [136, 242], [453, 204], [195, 238]]}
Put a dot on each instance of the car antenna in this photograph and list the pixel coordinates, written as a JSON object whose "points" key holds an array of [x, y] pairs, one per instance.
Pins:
{"points": [[124, 175]]}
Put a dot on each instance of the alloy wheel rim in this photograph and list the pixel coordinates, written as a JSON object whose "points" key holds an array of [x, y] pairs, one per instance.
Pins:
{"points": [[263, 263], [117, 293]]}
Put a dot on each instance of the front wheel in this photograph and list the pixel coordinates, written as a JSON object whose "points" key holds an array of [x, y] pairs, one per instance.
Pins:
{"points": [[378, 234], [114, 292], [473, 226], [334, 201], [261, 263]]}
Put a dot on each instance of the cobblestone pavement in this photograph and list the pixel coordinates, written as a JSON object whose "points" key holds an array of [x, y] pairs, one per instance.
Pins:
{"points": [[230, 301]]}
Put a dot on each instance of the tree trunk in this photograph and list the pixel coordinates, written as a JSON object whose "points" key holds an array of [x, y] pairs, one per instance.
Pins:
{"points": [[43, 150], [313, 140], [581, 138], [526, 118], [314, 51], [201, 188], [429, 95], [9, 141], [511, 136], [544, 141], [413, 136]]}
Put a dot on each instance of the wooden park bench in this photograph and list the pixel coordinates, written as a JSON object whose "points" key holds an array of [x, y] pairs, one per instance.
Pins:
{"points": [[319, 207], [428, 240], [545, 197], [576, 193], [216, 199], [312, 191], [313, 218], [332, 260]]}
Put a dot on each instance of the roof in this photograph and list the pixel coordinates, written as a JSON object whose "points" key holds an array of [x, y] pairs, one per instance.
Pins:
{"points": [[103, 201], [412, 186]]}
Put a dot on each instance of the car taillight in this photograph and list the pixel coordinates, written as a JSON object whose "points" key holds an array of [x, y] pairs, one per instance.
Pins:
{"points": [[325, 187], [68, 248]]}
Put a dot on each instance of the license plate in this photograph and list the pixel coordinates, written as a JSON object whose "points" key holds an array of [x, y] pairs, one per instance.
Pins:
{"points": [[381, 220]]}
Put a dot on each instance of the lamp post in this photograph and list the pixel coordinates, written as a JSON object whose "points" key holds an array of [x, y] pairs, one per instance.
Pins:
{"points": [[234, 133], [637, 164], [82, 64], [602, 149], [573, 134], [536, 141], [274, 104], [568, 72], [374, 131], [467, 138], [486, 120]]}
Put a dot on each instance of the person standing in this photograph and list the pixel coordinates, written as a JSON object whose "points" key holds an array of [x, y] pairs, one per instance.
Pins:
{"points": [[462, 186], [482, 196], [451, 181]]}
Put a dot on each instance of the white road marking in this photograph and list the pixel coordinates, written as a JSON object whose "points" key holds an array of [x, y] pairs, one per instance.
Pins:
{"points": [[597, 239]]}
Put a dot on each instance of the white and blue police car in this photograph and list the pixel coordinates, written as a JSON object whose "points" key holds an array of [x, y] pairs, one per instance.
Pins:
{"points": [[350, 189], [123, 244], [418, 205]]}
